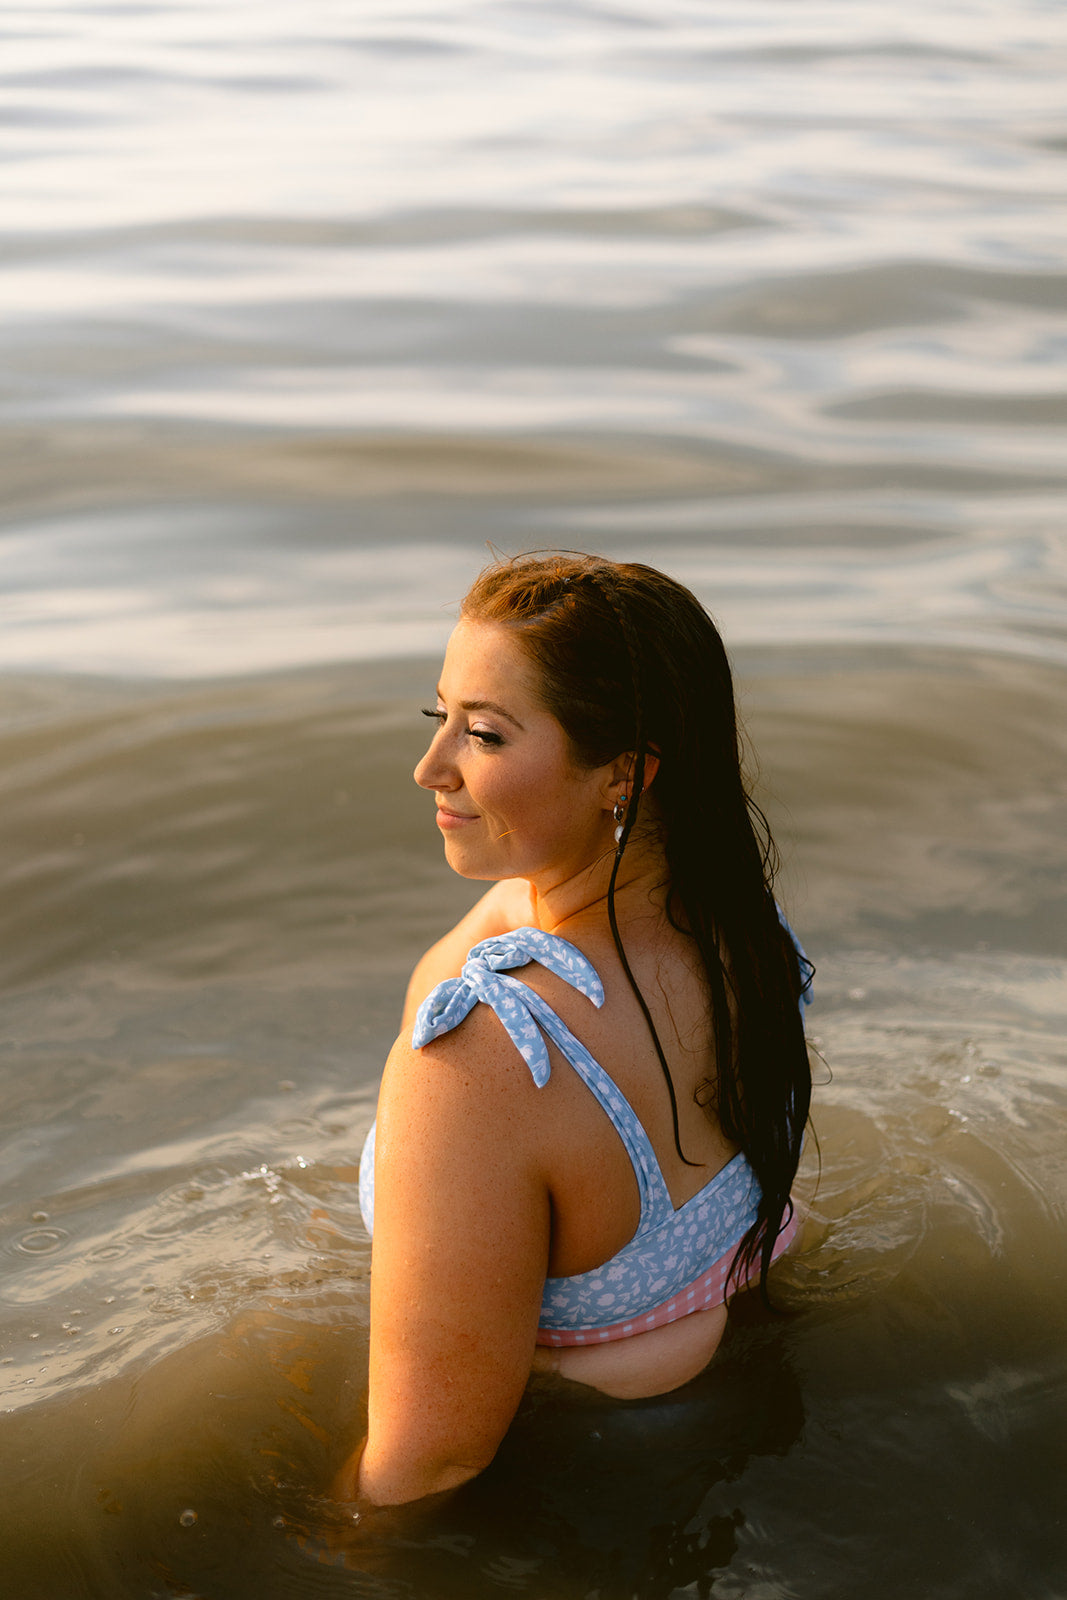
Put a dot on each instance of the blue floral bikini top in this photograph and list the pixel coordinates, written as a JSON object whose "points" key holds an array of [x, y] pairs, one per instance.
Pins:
{"points": [[670, 1248]]}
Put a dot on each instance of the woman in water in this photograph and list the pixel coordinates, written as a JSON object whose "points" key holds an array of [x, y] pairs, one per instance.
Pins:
{"points": [[590, 1123]]}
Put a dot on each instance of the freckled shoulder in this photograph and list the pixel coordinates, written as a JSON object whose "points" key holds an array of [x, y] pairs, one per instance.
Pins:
{"points": [[475, 1058]]}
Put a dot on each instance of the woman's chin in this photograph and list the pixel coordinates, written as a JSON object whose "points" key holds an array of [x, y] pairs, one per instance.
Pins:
{"points": [[470, 864]]}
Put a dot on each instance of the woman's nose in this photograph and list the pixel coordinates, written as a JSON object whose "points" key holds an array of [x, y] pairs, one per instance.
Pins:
{"points": [[434, 772]]}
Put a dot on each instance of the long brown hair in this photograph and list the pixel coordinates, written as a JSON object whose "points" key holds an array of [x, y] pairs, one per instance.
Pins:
{"points": [[628, 660]]}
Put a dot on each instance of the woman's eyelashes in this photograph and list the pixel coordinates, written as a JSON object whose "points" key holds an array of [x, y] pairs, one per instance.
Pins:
{"points": [[485, 736]]}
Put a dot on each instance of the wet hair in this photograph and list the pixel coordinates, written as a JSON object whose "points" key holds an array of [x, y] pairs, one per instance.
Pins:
{"points": [[628, 660]]}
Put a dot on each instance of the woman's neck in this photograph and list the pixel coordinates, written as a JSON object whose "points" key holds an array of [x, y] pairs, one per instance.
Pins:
{"points": [[641, 887]]}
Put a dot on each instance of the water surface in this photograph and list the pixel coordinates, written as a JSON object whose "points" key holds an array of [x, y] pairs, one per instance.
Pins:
{"points": [[301, 309]]}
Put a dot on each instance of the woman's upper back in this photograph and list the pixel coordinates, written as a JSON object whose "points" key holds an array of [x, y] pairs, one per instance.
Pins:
{"points": [[616, 1034], [670, 974], [591, 1169], [671, 1244]]}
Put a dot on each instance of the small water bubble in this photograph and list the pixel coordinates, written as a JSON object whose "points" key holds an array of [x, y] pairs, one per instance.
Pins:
{"points": [[286, 1085], [187, 1519], [120, 1328], [35, 1335], [278, 1522], [38, 1216], [39, 1241], [857, 994], [108, 1300]]}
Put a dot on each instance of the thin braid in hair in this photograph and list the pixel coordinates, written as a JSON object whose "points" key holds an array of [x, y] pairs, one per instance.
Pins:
{"points": [[626, 628]]}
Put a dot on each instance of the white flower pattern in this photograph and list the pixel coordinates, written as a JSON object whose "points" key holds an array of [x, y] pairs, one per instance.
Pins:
{"points": [[670, 1249]]}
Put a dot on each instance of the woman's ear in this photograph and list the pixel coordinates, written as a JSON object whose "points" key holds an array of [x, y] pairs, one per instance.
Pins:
{"points": [[621, 771]]}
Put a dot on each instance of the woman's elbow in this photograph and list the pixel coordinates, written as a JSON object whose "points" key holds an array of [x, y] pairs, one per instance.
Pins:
{"points": [[399, 1486], [385, 1480]]}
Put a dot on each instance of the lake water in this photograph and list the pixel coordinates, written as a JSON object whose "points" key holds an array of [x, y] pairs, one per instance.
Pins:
{"points": [[302, 307]]}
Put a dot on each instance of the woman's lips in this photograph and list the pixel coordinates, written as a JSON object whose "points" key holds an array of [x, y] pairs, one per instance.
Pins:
{"points": [[452, 819]]}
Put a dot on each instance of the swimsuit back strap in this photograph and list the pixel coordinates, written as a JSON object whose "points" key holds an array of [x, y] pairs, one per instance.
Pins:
{"points": [[655, 1197]]}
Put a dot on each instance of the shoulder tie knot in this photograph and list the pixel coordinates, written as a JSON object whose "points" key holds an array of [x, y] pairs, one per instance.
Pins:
{"points": [[523, 1013]]}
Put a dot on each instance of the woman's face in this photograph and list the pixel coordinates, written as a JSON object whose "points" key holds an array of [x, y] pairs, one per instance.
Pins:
{"points": [[511, 802]]}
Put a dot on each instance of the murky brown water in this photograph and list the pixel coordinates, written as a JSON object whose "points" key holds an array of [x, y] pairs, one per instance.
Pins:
{"points": [[299, 311]]}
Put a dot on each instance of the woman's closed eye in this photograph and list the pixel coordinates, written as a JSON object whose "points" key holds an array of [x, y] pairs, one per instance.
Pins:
{"points": [[485, 736]]}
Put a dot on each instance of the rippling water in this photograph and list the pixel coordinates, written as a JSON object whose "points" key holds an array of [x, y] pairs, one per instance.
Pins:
{"points": [[303, 305]]}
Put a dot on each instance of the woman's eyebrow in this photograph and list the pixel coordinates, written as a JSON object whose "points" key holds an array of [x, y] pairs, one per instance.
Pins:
{"points": [[487, 705]]}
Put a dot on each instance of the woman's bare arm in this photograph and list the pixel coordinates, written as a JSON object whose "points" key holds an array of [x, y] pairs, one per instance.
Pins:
{"points": [[458, 1265]]}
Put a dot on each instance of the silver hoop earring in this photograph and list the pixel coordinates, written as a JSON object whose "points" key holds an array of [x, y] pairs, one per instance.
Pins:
{"points": [[619, 814]]}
